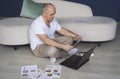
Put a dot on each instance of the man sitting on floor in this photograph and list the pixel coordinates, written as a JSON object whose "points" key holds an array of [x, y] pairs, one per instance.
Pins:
{"points": [[43, 41]]}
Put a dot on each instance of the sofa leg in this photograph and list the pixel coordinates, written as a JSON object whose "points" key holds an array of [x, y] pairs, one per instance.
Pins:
{"points": [[99, 44], [15, 48]]}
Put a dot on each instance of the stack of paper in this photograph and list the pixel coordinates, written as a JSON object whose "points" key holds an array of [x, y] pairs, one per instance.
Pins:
{"points": [[32, 72]]}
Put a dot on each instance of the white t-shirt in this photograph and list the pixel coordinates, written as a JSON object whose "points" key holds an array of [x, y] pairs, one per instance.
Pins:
{"points": [[39, 27]]}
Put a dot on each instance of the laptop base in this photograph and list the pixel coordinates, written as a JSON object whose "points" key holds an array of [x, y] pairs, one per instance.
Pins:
{"points": [[75, 63]]}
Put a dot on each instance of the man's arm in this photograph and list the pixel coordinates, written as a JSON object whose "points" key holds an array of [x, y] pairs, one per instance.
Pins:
{"points": [[54, 43], [69, 33]]}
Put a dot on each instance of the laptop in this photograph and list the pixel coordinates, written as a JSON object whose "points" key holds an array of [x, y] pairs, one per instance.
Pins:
{"points": [[76, 61]]}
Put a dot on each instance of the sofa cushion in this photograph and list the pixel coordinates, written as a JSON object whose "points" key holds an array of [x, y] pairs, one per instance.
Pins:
{"points": [[91, 29]]}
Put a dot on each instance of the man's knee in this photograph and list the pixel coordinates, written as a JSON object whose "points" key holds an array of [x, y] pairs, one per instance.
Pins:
{"points": [[53, 52]]}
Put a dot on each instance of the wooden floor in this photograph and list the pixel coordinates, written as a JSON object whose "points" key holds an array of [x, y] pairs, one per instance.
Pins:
{"points": [[104, 65]]}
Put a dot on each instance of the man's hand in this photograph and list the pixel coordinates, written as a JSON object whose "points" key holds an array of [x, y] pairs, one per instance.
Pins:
{"points": [[77, 37]]}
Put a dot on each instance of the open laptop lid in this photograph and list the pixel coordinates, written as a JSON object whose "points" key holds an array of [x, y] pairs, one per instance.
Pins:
{"points": [[87, 55]]}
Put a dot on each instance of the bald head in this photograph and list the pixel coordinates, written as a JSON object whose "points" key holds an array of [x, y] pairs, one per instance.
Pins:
{"points": [[47, 7], [48, 12]]}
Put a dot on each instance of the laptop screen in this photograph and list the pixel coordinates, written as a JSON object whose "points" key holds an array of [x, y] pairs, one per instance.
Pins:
{"points": [[87, 54]]}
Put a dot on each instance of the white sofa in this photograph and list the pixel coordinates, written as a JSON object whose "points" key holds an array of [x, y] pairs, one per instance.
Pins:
{"points": [[74, 16], [79, 18]]}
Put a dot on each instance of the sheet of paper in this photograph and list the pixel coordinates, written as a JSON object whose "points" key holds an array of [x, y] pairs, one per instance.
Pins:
{"points": [[53, 71], [56, 71], [29, 71]]}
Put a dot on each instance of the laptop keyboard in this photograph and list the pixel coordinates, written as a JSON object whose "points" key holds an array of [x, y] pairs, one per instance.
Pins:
{"points": [[73, 60]]}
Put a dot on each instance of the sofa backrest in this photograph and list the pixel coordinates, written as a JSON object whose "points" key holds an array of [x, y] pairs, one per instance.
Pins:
{"points": [[69, 9], [32, 9]]}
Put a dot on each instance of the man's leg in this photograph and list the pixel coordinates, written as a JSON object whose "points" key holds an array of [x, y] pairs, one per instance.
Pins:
{"points": [[64, 40], [47, 51]]}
